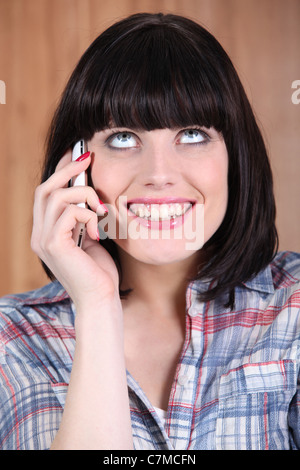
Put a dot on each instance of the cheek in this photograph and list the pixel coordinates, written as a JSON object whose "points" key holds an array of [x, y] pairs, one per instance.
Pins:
{"points": [[215, 193], [217, 185], [107, 180], [211, 180]]}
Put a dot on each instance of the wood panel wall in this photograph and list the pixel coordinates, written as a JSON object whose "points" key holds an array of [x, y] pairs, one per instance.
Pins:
{"points": [[40, 43]]}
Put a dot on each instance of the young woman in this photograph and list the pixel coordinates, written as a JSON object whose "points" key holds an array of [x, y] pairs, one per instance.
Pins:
{"points": [[176, 325]]}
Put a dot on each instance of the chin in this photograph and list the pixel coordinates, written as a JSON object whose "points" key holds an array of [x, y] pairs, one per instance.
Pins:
{"points": [[158, 252]]}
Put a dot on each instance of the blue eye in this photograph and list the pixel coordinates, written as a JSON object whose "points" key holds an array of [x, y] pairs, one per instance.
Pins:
{"points": [[122, 140], [192, 136]]}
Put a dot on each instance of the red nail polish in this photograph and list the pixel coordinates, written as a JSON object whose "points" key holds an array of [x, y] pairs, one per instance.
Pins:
{"points": [[103, 205], [83, 157]]}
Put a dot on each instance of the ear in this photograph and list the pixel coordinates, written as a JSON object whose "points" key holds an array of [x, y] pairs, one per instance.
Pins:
{"points": [[67, 157]]}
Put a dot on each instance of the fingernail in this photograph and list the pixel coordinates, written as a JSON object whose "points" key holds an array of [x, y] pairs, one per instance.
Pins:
{"points": [[83, 157], [98, 235], [103, 206]]}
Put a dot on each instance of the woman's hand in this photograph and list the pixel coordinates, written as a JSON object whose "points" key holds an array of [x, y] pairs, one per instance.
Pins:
{"points": [[89, 275], [96, 413]]}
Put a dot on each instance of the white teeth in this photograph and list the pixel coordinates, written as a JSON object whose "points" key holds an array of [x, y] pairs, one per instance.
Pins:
{"points": [[158, 212], [155, 213]]}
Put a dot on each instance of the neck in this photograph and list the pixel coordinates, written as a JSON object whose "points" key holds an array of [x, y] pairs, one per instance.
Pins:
{"points": [[160, 286]]}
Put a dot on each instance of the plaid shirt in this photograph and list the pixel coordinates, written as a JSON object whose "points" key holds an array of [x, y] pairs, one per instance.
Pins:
{"points": [[235, 385]]}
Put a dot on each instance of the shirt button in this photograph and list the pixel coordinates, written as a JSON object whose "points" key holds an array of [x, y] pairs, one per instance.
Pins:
{"points": [[193, 311], [183, 379]]}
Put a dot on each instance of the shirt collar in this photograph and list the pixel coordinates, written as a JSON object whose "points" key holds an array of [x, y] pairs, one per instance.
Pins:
{"points": [[48, 294], [262, 282]]}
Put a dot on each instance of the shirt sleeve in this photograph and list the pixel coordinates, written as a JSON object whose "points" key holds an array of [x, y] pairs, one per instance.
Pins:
{"points": [[30, 412], [37, 341]]}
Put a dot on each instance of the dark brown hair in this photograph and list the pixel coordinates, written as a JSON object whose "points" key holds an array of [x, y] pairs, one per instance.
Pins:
{"points": [[155, 71]]}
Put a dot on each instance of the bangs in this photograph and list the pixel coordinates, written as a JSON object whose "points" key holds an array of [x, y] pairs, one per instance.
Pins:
{"points": [[147, 81]]}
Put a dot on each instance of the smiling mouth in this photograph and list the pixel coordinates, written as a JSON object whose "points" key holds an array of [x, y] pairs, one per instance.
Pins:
{"points": [[159, 212]]}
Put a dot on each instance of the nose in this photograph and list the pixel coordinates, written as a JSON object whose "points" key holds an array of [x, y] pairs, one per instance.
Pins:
{"points": [[159, 166]]}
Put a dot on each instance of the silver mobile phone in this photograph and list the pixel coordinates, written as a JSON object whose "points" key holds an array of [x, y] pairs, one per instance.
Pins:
{"points": [[80, 180]]}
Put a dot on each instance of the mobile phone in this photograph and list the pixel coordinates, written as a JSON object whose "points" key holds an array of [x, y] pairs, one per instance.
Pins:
{"points": [[80, 180]]}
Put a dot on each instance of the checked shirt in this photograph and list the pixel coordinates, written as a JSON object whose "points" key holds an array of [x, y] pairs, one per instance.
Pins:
{"points": [[235, 387]]}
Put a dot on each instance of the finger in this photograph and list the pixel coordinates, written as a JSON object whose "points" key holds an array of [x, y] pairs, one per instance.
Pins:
{"points": [[57, 180], [59, 200], [66, 170], [66, 158], [60, 237], [61, 197]]}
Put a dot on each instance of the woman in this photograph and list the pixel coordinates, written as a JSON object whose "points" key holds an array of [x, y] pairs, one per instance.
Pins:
{"points": [[182, 341]]}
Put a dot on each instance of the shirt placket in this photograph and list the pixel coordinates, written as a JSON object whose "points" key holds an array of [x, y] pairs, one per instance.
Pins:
{"points": [[180, 418]]}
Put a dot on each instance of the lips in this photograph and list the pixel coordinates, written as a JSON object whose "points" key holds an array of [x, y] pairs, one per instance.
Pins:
{"points": [[159, 213]]}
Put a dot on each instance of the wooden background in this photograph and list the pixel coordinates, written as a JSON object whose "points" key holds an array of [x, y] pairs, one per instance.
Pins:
{"points": [[40, 43]]}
